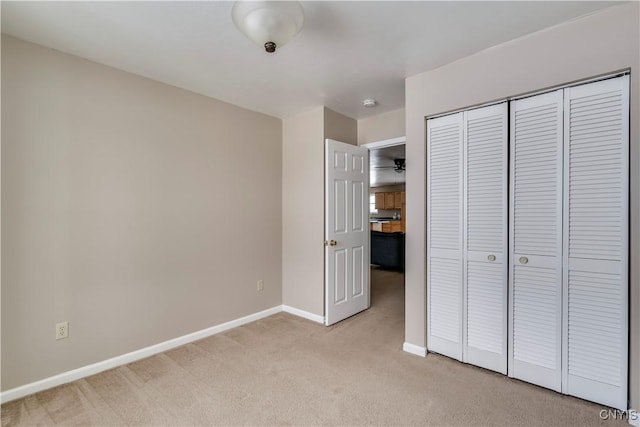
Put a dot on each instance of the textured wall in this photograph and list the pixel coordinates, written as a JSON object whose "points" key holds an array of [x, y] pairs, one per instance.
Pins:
{"points": [[303, 137], [340, 127], [137, 211], [382, 126], [303, 211]]}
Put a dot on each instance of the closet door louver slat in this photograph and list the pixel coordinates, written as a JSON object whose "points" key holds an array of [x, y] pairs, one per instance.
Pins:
{"points": [[444, 231], [485, 237], [535, 265], [596, 178]]}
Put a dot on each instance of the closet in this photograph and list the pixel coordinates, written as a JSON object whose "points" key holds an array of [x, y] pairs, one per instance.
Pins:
{"points": [[467, 236], [527, 238]]}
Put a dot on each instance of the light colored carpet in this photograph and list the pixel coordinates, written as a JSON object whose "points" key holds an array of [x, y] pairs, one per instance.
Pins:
{"points": [[284, 370]]}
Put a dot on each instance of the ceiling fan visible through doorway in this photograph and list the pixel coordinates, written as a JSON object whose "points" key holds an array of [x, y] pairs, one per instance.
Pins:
{"points": [[387, 166], [399, 166]]}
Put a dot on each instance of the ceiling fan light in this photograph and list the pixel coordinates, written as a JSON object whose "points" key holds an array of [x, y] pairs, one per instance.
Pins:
{"points": [[268, 23]]}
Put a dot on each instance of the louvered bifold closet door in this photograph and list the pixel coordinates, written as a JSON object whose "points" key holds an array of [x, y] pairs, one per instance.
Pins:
{"points": [[444, 235], [485, 243], [535, 266], [596, 241]]}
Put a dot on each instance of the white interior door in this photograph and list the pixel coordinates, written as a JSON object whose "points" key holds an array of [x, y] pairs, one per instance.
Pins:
{"points": [[596, 241], [535, 267], [485, 237], [347, 287], [444, 234]]}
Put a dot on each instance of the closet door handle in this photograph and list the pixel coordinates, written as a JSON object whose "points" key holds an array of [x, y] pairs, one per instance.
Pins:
{"points": [[523, 260], [491, 257]]}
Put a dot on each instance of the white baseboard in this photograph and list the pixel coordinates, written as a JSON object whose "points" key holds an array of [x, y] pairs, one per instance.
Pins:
{"points": [[85, 371], [414, 349], [634, 418], [302, 313]]}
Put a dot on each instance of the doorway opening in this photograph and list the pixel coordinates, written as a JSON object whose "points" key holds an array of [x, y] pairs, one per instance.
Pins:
{"points": [[387, 222]]}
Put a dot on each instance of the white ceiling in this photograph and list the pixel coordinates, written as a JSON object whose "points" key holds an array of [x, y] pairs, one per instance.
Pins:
{"points": [[346, 51]]}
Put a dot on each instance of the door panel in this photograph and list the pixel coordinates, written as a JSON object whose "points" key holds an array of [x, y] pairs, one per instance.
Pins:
{"points": [[340, 278], [535, 323], [485, 243], [445, 307], [389, 200], [380, 200], [535, 265], [397, 198], [486, 315], [340, 206], [444, 235], [346, 230], [358, 271], [596, 241], [358, 216]]}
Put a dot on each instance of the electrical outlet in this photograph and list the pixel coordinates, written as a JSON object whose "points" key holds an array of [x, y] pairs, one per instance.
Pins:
{"points": [[260, 285], [62, 330]]}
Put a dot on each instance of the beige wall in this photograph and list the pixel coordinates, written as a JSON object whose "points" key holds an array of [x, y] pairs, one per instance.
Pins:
{"points": [[594, 45], [340, 127], [303, 138], [303, 211], [137, 211], [381, 127]]}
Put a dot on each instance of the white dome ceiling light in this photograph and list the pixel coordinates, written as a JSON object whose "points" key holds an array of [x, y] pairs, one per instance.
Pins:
{"points": [[268, 23]]}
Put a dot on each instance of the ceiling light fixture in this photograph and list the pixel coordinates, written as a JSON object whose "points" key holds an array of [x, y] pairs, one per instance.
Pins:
{"points": [[369, 103], [268, 23]]}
